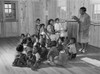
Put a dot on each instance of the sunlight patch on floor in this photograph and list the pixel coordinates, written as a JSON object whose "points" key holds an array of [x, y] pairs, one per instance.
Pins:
{"points": [[91, 61]]}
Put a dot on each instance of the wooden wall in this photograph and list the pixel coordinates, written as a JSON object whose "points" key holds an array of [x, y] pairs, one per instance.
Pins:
{"points": [[29, 10]]}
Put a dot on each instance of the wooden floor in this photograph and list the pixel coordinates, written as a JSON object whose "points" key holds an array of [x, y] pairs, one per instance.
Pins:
{"points": [[7, 54]]}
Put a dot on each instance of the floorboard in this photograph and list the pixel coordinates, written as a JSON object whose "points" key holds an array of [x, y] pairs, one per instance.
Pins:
{"points": [[8, 52]]}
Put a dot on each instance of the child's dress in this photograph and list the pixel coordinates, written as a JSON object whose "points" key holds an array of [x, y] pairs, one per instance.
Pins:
{"points": [[62, 58], [53, 52]]}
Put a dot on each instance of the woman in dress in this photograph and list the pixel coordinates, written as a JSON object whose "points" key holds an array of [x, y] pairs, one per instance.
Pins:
{"points": [[84, 24]]}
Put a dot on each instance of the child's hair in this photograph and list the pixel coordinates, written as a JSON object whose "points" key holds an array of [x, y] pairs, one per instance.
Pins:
{"points": [[24, 41], [50, 21], [29, 44], [38, 19], [22, 35], [41, 25], [60, 38], [28, 35], [29, 39], [29, 52], [57, 19], [74, 40], [20, 48], [33, 35]]}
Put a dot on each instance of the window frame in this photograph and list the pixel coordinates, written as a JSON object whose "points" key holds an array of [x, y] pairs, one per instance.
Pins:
{"points": [[16, 8], [95, 16]]}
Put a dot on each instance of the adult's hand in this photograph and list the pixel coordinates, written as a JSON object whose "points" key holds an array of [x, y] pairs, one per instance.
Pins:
{"points": [[75, 18]]}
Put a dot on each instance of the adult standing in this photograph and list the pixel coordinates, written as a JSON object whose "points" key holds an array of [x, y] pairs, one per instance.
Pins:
{"points": [[84, 24]]}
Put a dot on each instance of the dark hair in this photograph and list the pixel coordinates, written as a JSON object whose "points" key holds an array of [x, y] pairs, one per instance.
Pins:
{"points": [[20, 48], [74, 40], [24, 41], [38, 48], [29, 39], [83, 9], [23, 35], [50, 21], [57, 19], [27, 34], [42, 25], [29, 52], [37, 19], [30, 44], [61, 38]]}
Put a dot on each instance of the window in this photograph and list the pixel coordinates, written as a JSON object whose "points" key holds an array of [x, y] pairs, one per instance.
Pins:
{"points": [[96, 12], [10, 11], [97, 9]]}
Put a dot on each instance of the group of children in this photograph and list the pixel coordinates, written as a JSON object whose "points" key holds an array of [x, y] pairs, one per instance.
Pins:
{"points": [[33, 50]]}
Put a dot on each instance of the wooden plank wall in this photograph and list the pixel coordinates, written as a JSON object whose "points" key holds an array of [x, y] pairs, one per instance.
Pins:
{"points": [[30, 10], [73, 9]]}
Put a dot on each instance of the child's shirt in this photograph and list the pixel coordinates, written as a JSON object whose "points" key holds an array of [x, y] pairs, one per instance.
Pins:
{"points": [[37, 56], [72, 48], [63, 32], [62, 56], [57, 26], [50, 29]]}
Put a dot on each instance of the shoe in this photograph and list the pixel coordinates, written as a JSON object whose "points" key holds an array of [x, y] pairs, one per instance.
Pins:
{"points": [[51, 63], [80, 49], [83, 51]]}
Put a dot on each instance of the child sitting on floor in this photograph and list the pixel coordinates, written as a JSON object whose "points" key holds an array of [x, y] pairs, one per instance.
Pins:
{"points": [[54, 51], [72, 49], [44, 53], [28, 46], [20, 59], [42, 40], [22, 37], [37, 55], [61, 59], [31, 59]]}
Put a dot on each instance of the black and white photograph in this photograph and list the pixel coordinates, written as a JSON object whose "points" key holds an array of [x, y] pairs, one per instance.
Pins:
{"points": [[49, 36]]}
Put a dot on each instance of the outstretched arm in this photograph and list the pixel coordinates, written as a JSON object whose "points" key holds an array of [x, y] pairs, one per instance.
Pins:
{"points": [[76, 18]]}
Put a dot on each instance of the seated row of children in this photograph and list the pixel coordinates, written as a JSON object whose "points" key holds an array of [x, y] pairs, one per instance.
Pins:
{"points": [[33, 51]]}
